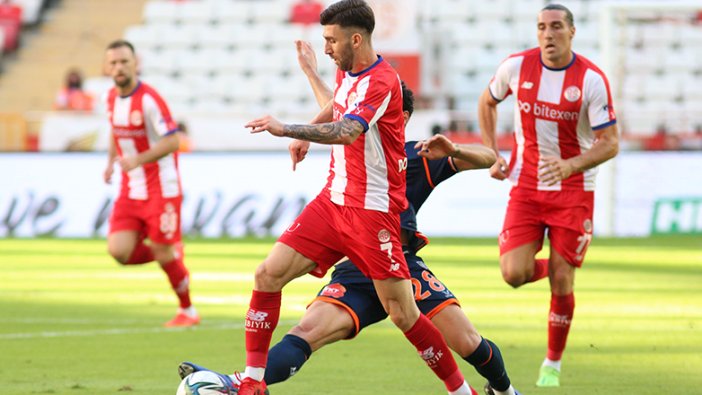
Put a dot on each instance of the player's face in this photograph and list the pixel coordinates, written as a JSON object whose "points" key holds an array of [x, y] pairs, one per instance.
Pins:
{"points": [[121, 65], [339, 46], [555, 37]]}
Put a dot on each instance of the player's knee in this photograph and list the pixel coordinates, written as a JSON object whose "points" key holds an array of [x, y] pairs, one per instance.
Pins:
{"points": [[119, 254], [512, 277], [267, 280], [402, 317]]}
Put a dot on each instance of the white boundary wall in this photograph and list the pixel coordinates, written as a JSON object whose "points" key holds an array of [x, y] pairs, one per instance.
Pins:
{"points": [[237, 194]]}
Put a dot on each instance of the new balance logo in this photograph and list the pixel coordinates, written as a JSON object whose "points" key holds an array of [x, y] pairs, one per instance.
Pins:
{"points": [[527, 85], [558, 320], [257, 320], [394, 267]]}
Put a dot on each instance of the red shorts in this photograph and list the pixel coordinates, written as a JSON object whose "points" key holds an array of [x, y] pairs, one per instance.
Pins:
{"points": [[326, 232], [158, 219], [566, 214]]}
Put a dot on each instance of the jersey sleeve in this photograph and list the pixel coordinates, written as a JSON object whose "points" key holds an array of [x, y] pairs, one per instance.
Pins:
{"points": [[440, 170], [499, 84], [157, 114], [373, 94], [599, 101]]}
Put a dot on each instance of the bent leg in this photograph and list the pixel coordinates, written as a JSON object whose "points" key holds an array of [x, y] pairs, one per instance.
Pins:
{"points": [[122, 244], [322, 324], [282, 265], [396, 296], [518, 264]]}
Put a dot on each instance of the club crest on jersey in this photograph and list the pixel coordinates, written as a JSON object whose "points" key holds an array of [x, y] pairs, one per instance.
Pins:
{"points": [[351, 99], [572, 93], [334, 291], [135, 118], [587, 226], [384, 236]]}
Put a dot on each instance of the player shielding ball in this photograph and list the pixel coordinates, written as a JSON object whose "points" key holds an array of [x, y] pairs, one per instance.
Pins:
{"points": [[564, 127]]}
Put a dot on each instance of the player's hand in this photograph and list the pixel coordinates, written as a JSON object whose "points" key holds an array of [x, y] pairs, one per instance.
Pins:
{"points": [[437, 147], [267, 123], [109, 170], [554, 169], [499, 170], [306, 57], [298, 150], [128, 163]]}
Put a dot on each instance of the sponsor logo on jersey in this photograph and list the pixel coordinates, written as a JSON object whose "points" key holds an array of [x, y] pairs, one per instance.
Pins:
{"points": [[527, 85], [135, 118], [384, 236], [334, 291], [128, 133], [572, 93], [542, 110]]}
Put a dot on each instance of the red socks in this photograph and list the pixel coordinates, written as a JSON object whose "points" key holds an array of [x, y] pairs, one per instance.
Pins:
{"points": [[434, 351], [141, 254], [559, 318], [261, 320], [540, 270], [179, 278]]}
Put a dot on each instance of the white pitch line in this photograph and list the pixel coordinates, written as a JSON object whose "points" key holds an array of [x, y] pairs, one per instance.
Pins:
{"points": [[123, 331]]}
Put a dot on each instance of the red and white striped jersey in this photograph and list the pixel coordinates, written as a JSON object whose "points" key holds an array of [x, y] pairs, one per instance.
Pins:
{"points": [[556, 114], [138, 122], [369, 173]]}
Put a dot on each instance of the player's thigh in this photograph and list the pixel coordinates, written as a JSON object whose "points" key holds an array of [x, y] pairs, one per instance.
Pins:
{"points": [[314, 235], [523, 226], [120, 244], [282, 265], [460, 334], [398, 300], [357, 298], [324, 323]]}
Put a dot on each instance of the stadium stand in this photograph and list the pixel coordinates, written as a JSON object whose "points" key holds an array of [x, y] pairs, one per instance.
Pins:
{"points": [[237, 57]]}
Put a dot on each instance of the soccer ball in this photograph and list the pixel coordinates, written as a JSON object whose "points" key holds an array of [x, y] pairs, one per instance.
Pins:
{"points": [[202, 383]]}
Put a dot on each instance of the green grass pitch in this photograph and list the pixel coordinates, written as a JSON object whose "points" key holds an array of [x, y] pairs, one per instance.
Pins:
{"points": [[72, 322]]}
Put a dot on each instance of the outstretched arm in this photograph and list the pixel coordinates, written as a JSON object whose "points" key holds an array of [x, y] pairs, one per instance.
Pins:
{"points": [[465, 156], [344, 132]]}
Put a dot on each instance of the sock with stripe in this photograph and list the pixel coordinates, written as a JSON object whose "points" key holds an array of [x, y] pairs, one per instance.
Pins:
{"points": [[487, 360]]}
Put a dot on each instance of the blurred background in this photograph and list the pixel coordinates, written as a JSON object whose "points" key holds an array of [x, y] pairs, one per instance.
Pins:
{"points": [[220, 63]]}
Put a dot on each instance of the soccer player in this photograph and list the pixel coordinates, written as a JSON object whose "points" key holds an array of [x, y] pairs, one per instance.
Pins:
{"points": [[144, 144], [357, 213], [349, 302], [564, 127]]}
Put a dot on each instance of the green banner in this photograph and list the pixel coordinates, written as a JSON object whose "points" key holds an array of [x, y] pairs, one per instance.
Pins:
{"points": [[677, 216]]}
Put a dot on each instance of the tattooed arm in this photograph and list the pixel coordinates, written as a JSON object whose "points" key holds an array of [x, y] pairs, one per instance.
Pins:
{"points": [[344, 132]]}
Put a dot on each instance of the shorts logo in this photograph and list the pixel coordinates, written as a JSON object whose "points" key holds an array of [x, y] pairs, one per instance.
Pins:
{"points": [[572, 93], [135, 118], [504, 237], [394, 267], [587, 226], [334, 291], [293, 227], [384, 236]]}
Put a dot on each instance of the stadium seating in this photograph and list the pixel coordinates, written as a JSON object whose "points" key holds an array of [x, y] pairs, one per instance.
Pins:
{"points": [[214, 55]]}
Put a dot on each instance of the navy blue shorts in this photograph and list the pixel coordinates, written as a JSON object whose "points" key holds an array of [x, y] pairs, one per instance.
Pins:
{"points": [[355, 293]]}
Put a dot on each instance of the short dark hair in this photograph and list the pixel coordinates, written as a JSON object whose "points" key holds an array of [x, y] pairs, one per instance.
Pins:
{"points": [[560, 7], [349, 13], [121, 43], [407, 99]]}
